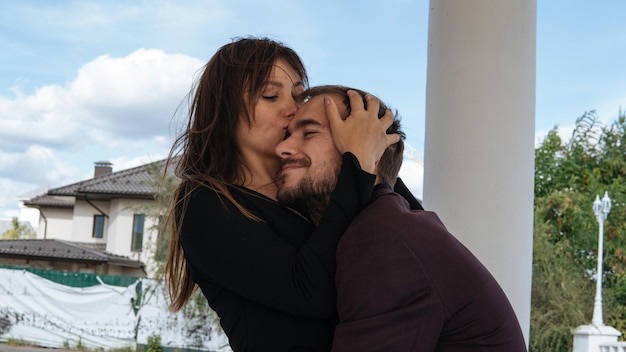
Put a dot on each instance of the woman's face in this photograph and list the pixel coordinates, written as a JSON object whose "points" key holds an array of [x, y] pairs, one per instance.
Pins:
{"points": [[274, 109]]}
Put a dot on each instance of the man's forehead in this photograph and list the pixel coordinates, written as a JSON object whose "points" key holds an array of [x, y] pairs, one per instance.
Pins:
{"points": [[310, 112], [315, 108]]}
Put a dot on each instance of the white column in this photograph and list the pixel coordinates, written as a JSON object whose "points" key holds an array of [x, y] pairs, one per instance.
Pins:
{"points": [[479, 137]]}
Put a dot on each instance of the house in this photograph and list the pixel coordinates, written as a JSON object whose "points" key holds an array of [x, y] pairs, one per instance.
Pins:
{"points": [[107, 213]]}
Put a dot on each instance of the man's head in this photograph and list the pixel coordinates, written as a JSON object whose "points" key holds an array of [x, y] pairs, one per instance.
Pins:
{"points": [[311, 163]]}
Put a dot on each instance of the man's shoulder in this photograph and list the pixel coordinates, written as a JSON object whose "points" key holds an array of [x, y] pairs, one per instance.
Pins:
{"points": [[388, 211], [383, 194], [391, 205]]}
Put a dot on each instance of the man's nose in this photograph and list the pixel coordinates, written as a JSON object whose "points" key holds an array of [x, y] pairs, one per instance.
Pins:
{"points": [[283, 149]]}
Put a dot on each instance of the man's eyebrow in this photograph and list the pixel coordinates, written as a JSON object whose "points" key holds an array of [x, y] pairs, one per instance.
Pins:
{"points": [[300, 124], [306, 122]]}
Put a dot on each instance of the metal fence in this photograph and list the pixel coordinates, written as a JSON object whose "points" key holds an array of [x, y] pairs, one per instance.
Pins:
{"points": [[73, 279]]}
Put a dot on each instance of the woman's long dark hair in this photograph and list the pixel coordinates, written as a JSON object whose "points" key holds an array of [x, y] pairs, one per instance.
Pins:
{"points": [[206, 153]]}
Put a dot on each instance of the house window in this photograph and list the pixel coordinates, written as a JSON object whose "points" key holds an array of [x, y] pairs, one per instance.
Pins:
{"points": [[98, 226], [137, 240]]}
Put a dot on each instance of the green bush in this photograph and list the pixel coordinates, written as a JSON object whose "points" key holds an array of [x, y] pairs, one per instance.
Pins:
{"points": [[154, 344]]}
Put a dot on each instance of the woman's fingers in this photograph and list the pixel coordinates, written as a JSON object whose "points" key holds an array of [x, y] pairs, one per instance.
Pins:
{"points": [[332, 113], [362, 133]]}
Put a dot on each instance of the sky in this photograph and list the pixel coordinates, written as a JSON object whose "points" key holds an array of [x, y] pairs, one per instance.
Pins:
{"points": [[87, 81]]}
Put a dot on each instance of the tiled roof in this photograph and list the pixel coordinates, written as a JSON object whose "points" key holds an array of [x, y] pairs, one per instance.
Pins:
{"points": [[60, 250], [135, 181], [50, 201]]}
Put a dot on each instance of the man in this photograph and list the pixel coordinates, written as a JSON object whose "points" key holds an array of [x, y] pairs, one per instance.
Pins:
{"points": [[404, 283]]}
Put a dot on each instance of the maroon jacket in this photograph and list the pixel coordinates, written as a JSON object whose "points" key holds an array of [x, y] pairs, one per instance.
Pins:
{"points": [[404, 283]]}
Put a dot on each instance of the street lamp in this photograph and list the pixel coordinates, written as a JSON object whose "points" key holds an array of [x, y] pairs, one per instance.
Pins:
{"points": [[600, 209]]}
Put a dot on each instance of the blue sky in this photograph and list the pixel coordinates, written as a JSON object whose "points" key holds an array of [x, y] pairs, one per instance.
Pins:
{"points": [[85, 81]]}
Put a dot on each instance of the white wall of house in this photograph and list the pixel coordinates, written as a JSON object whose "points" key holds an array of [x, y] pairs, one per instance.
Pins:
{"points": [[120, 231], [83, 221], [56, 225]]}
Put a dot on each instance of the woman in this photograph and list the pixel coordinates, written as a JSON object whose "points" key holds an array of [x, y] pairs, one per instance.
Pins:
{"points": [[266, 271]]}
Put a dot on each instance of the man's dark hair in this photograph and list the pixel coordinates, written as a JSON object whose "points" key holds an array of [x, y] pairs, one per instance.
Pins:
{"points": [[389, 164]]}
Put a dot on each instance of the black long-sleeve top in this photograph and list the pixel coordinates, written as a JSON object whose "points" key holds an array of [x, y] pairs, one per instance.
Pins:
{"points": [[271, 282]]}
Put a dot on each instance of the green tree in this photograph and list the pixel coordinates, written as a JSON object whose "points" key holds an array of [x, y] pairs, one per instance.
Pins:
{"points": [[568, 176], [18, 231]]}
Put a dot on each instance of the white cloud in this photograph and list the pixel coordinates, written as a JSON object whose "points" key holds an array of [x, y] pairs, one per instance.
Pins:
{"points": [[36, 119], [114, 106], [128, 98], [135, 96], [8, 202], [123, 163], [36, 165]]}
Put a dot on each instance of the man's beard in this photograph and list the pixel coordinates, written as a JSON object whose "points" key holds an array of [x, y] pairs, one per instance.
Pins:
{"points": [[310, 197]]}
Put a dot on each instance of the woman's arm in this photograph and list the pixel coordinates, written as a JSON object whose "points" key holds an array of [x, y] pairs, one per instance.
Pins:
{"points": [[250, 258]]}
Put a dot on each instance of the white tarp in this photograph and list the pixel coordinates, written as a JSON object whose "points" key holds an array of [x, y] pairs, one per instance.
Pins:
{"points": [[53, 315]]}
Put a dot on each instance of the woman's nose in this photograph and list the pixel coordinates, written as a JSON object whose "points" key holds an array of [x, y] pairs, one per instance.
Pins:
{"points": [[290, 110]]}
